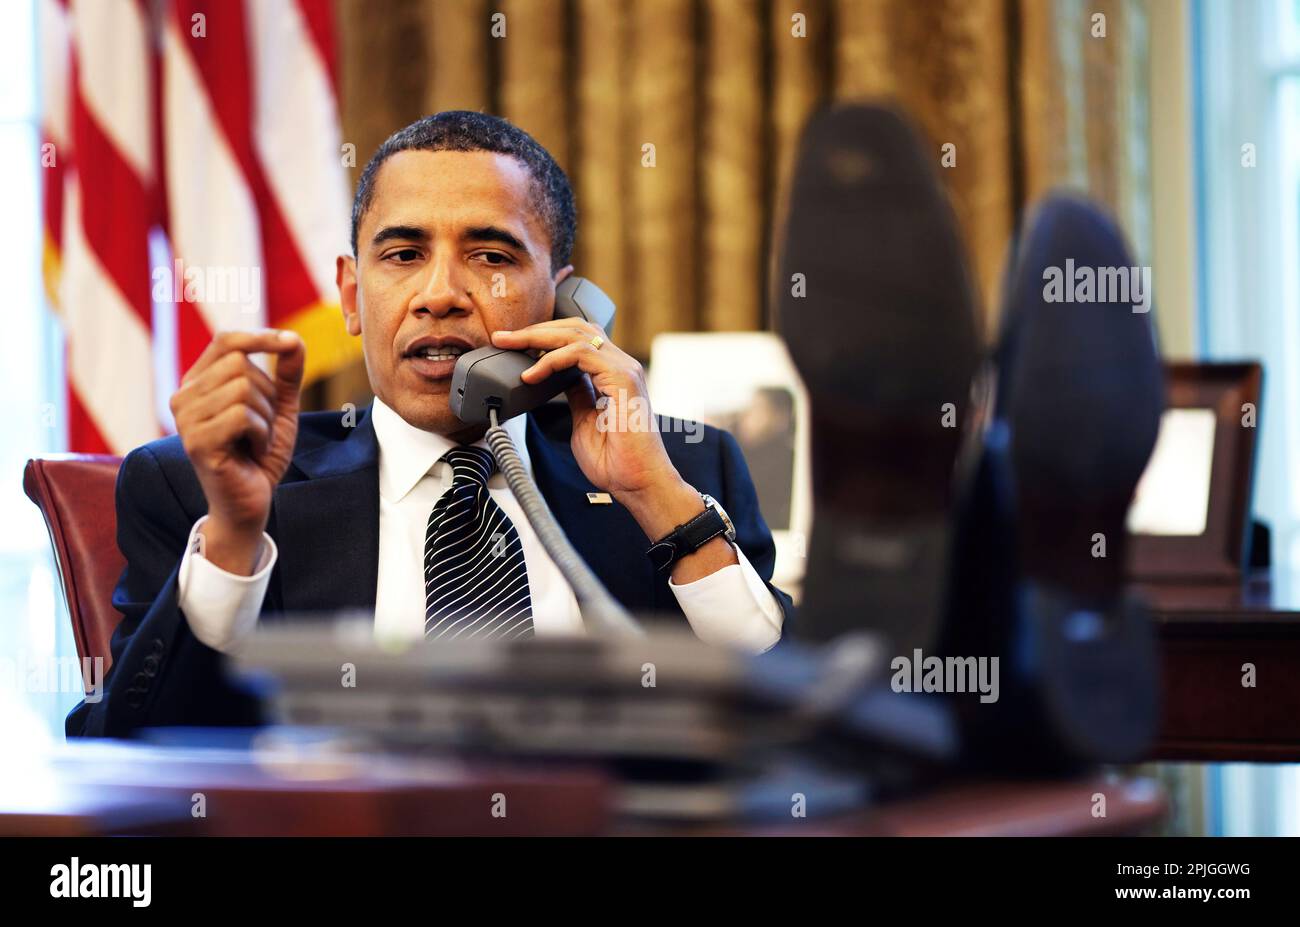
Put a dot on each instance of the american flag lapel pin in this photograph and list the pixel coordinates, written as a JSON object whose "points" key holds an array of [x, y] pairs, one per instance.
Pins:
{"points": [[599, 498]]}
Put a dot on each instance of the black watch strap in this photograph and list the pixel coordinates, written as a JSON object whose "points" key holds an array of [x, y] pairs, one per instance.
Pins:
{"points": [[686, 539]]}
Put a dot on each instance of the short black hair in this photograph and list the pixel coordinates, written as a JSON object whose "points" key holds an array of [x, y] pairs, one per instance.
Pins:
{"points": [[461, 130]]}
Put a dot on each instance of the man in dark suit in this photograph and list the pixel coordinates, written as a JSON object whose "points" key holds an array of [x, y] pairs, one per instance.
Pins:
{"points": [[462, 228]]}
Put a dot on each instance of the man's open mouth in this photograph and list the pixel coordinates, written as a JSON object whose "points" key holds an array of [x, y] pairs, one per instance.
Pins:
{"points": [[434, 358], [432, 353]]}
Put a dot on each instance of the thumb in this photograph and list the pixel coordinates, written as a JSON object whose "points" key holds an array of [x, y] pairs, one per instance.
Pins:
{"points": [[290, 362]]}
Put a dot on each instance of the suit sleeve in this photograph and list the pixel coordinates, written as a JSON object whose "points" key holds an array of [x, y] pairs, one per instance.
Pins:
{"points": [[161, 673], [740, 499]]}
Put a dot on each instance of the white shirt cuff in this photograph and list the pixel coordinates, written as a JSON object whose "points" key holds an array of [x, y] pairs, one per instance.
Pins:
{"points": [[732, 607], [222, 607]]}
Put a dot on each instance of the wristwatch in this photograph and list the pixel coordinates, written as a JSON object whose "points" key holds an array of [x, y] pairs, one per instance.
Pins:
{"points": [[691, 536]]}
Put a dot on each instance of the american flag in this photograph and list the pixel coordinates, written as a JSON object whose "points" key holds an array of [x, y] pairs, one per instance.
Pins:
{"points": [[195, 181]]}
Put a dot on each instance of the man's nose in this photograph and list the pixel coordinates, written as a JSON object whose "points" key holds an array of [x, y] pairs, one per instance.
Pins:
{"points": [[443, 290]]}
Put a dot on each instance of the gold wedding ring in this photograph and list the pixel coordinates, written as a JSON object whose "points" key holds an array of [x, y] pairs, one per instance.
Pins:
{"points": [[597, 341]]}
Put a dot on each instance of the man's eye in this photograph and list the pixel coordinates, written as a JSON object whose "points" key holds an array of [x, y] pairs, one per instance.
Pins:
{"points": [[403, 255], [495, 258]]}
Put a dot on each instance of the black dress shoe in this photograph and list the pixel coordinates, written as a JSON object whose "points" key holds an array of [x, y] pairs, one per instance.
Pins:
{"points": [[877, 310], [1042, 536]]}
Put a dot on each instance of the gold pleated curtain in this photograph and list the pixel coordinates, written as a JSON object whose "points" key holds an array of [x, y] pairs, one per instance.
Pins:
{"points": [[676, 120]]}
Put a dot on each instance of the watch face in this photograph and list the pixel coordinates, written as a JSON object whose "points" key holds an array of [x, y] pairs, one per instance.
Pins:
{"points": [[726, 519]]}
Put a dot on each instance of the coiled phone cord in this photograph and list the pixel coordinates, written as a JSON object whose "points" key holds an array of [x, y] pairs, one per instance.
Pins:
{"points": [[598, 607]]}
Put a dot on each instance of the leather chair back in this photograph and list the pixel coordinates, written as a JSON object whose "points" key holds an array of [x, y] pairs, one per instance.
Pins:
{"points": [[75, 493]]}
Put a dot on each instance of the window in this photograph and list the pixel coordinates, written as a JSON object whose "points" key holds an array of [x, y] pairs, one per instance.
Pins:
{"points": [[34, 627], [1247, 61]]}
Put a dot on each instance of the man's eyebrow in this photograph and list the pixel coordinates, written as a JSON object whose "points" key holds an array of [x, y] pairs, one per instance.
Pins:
{"points": [[493, 233], [400, 232]]}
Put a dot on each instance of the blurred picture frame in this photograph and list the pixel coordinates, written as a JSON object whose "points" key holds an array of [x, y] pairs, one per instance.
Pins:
{"points": [[1191, 515], [746, 383]]}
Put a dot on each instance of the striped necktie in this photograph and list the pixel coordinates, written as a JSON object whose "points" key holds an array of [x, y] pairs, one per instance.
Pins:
{"points": [[475, 578]]}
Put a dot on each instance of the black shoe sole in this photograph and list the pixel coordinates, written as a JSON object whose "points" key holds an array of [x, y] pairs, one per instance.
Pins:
{"points": [[1083, 400], [886, 340], [1081, 393]]}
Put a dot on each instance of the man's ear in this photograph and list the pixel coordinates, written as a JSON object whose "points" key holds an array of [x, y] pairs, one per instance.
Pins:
{"points": [[561, 274], [345, 275]]}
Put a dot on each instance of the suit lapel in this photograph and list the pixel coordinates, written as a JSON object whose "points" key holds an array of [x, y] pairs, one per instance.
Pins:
{"points": [[327, 525], [607, 537]]}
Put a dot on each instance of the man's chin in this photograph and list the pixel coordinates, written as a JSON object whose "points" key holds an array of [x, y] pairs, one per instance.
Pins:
{"points": [[429, 411]]}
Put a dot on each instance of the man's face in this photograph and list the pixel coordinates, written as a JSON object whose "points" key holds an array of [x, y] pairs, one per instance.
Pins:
{"points": [[450, 251]]}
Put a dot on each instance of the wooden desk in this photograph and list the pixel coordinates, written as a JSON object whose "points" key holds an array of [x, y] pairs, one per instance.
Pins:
{"points": [[102, 788], [1206, 635], [89, 788], [1134, 806]]}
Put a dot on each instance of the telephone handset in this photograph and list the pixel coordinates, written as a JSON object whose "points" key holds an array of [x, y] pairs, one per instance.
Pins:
{"points": [[488, 378]]}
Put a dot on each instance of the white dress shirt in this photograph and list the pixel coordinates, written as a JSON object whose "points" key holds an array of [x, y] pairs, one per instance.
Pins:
{"points": [[729, 607]]}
